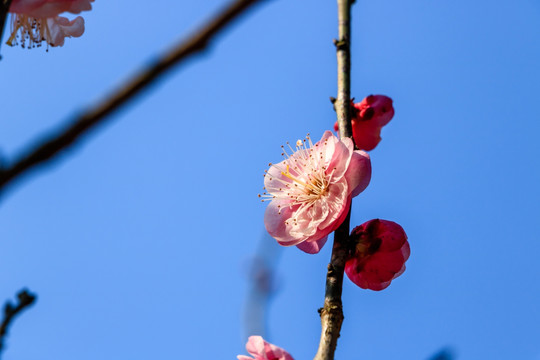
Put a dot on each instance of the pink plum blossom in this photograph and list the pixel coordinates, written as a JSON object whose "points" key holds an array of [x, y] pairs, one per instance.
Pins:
{"points": [[379, 256], [34, 21], [262, 350], [369, 116], [310, 191]]}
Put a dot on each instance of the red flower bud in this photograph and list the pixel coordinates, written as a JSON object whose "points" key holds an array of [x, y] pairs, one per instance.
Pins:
{"points": [[368, 118], [379, 255]]}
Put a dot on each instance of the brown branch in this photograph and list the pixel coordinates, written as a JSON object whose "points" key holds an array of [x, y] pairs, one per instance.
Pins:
{"points": [[25, 300], [59, 141], [4, 9], [332, 311]]}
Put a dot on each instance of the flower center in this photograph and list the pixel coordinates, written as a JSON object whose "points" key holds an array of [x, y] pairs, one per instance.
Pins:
{"points": [[304, 179], [310, 190], [27, 31]]}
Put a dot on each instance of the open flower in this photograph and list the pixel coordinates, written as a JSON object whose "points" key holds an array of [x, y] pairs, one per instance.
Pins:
{"points": [[34, 21], [262, 350], [310, 191], [379, 256], [369, 116]]}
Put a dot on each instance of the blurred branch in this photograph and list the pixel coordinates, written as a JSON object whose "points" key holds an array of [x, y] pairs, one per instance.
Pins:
{"points": [[4, 10], [332, 311], [262, 287], [10, 311], [444, 354], [55, 143]]}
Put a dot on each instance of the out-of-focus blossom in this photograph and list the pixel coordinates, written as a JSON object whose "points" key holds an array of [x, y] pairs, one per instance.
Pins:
{"points": [[35, 21], [262, 350], [368, 118], [310, 191], [380, 254]]}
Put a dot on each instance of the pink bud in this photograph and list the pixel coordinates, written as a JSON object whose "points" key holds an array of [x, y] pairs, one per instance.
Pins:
{"points": [[379, 255], [368, 118]]}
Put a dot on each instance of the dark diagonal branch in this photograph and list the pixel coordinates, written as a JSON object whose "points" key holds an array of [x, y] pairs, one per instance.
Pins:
{"points": [[11, 311], [332, 312], [4, 8], [61, 140]]}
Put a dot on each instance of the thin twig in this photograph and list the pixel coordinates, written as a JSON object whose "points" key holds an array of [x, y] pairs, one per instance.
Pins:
{"points": [[61, 140], [25, 300], [4, 9], [332, 311]]}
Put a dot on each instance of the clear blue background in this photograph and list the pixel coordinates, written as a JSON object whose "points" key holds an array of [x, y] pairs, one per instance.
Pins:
{"points": [[137, 242]]}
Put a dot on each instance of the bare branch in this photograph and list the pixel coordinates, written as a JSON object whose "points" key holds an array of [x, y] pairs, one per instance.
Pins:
{"points": [[332, 311], [25, 300], [57, 142]]}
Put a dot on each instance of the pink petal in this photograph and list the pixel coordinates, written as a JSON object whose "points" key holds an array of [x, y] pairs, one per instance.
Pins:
{"points": [[406, 250], [49, 8], [392, 235], [275, 216], [327, 135], [26, 6], [343, 215], [255, 345], [274, 352], [274, 178], [341, 157], [312, 247], [337, 201], [263, 350], [378, 286], [382, 266], [381, 112], [401, 271], [366, 136], [80, 5], [358, 174], [61, 27], [308, 218]]}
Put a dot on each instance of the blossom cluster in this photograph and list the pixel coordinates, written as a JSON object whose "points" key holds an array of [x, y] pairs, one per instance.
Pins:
{"points": [[35, 21], [311, 190]]}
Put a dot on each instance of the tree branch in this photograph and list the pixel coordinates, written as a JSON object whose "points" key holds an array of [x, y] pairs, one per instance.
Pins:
{"points": [[25, 299], [59, 141], [332, 311]]}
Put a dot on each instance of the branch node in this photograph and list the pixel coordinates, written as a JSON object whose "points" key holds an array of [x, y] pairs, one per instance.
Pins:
{"points": [[341, 44]]}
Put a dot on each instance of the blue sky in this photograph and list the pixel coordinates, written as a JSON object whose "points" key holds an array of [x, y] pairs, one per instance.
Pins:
{"points": [[137, 241]]}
